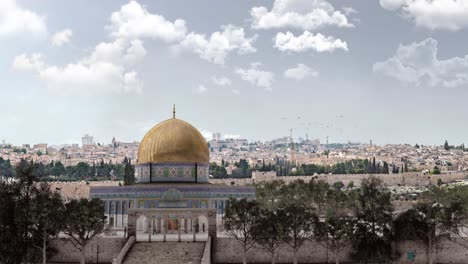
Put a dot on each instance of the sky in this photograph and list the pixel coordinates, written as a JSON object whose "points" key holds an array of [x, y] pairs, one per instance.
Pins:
{"points": [[394, 71]]}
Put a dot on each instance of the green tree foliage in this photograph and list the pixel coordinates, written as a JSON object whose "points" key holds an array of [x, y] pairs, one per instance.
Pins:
{"points": [[129, 172], [85, 220], [6, 170], [446, 145], [47, 217], [242, 170], [335, 233], [298, 225], [240, 222], [435, 170], [430, 222], [27, 173], [374, 212], [80, 171], [11, 240], [270, 231], [218, 171], [355, 166], [269, 194]]}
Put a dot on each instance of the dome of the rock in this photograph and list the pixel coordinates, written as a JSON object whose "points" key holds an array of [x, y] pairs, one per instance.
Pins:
{"points": [[173, 140], [173, 151]]}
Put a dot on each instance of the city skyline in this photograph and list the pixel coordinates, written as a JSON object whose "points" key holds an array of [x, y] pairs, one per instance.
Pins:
{"points": [[391, 71]]}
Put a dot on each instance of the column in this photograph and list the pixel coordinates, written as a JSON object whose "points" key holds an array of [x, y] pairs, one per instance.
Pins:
{"points": [[150, 229], [131, 230], [179, 225], [158, 223], [193, 230], [164, 223], [212, 231], [185, 225]]}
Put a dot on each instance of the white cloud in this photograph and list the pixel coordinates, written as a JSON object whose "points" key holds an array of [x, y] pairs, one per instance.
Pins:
{"points": [[24, 63], [208, 135], [216, 48], [108, 66], [308, 41], [349, 10], [136, 52], [15, 20], [62, 37], [106, 69], [235, 91], [221, 81], [133, 21], [257, 77], [417, 64], [300, 72], [432, 14], [302, 14], [200, 89]]}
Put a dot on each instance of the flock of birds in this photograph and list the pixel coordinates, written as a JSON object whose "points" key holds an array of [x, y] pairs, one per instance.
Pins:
{"points": [[333, 127]]}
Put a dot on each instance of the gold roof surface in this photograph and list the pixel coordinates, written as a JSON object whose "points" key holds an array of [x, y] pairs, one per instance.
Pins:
{"points": [[173, 140]]}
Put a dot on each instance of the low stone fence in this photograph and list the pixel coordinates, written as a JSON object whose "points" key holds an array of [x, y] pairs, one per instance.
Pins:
{"points": [[128, 245], [98, 250], [405, 179], [206, 259], [228, 250]]}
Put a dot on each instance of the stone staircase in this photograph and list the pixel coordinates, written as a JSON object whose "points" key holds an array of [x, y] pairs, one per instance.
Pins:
{"points": [[165, 253]]}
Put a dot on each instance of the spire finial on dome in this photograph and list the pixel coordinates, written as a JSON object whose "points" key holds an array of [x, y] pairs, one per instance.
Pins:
{"points": [[173, 111]]}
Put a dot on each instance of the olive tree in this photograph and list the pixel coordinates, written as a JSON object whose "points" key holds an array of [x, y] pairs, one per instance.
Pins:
{"points": [[373, 235], [270, 231], [85, 220], [47, 217], [431, 223], [240, 220]]}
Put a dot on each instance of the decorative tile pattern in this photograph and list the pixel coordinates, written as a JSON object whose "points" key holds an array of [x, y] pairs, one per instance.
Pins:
{"points": [[172, 172]]}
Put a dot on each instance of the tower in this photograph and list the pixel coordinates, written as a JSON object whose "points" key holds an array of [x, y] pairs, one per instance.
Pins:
{"points": [[292, 152]]}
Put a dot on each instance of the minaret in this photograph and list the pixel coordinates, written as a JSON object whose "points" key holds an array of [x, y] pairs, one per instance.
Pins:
{"points": [[173, 111], [292, 152]]}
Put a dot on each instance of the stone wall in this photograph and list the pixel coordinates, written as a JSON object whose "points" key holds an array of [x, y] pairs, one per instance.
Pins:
{"points": [[109, 248], [408, 179], [228, 250]]}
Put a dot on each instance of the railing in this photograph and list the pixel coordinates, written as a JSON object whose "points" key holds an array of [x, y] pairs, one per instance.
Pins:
{"points": [[128, 245], [206, 259]]}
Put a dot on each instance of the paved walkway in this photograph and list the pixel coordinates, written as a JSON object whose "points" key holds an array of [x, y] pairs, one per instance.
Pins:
{"points": [[165, 253]]}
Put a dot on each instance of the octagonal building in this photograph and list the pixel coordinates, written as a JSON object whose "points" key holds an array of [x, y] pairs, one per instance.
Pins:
{"points": [[172, 193]]}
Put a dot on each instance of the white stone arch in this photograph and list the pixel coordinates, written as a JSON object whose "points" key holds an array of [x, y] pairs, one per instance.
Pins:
{"points": [[142, 224], [203, 222]]}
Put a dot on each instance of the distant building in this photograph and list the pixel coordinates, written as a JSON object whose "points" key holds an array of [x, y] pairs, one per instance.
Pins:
{"points": [[217, 136], [42, 148], [87, 140]]}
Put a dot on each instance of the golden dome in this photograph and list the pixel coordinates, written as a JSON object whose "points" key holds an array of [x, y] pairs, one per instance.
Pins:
{"points": [[173, 140]]}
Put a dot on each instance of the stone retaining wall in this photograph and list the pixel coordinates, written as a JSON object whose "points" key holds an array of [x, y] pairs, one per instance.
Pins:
{"points": [[109, 248], [408, 179], [228, 250]]}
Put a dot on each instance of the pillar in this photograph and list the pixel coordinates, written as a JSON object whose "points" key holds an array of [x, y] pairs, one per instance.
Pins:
{"points": [[158, 224], [164, 223], [193, 230], [131, 230], [212, 231], [185, 225], [179, 225], [150, 229]]}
